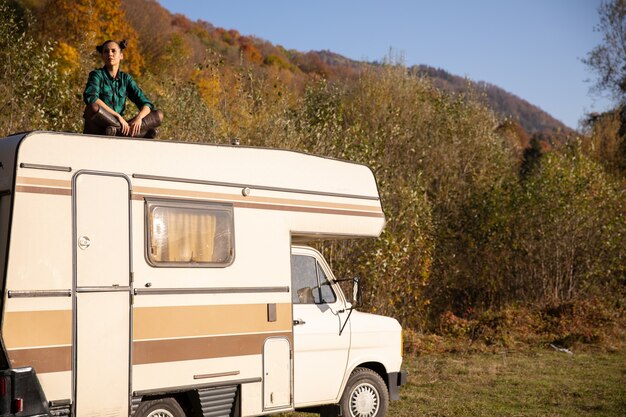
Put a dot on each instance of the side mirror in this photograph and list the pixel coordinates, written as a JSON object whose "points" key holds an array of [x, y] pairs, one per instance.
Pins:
{"points": [[357, 295]]}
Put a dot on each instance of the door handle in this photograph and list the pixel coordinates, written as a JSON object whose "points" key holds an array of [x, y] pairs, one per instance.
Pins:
{"points": [[298, 322], [84, 242]]}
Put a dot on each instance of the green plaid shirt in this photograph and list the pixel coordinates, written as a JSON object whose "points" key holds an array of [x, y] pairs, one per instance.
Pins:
{"points": [[113, 91]]}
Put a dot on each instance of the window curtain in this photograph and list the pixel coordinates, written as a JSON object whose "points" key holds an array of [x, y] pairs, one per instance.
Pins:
{"points": [[183, 235]]}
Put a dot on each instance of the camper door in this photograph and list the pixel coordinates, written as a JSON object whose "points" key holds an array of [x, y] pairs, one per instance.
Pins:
{"points": [[102, 294]]}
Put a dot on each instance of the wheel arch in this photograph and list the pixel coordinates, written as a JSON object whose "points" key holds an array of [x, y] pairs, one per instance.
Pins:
{"points": [[373, 365], [377, 367]]}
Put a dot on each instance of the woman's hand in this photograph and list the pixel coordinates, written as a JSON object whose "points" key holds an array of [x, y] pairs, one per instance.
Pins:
{"points": [[134, 126], [124, 125], [135, 122]]}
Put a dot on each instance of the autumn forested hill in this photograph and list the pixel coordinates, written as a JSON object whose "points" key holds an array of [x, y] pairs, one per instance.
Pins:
{"points": [[502, 225], [332, 65]]}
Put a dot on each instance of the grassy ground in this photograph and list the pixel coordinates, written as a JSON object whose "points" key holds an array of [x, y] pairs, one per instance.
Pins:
{"points": [[543, 383]]}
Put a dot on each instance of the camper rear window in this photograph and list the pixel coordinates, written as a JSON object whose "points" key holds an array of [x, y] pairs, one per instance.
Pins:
{"points": [[190, 234]]}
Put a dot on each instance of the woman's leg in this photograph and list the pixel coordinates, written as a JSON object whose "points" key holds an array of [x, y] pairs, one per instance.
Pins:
{"points": [[99, 121]]}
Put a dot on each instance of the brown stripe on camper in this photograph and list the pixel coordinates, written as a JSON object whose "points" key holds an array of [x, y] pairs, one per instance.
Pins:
{"points": [[308, 210], [43, 186], [45, 182], [174, 350], [193, 321], [43, 360], [139, 193], [43, 190]]}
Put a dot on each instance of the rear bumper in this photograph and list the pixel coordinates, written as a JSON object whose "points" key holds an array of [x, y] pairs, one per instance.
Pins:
{"points": [[21, 394], [396, 380]]}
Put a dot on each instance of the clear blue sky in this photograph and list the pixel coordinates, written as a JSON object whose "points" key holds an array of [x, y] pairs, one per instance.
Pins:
{"points": [[531, 48]]}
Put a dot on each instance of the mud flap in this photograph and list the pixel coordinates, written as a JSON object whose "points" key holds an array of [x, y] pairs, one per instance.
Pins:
{"points": [[396, 380]]}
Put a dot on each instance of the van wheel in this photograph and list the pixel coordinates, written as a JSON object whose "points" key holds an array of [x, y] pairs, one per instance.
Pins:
{"points": [[163, 407], [365, 395]]}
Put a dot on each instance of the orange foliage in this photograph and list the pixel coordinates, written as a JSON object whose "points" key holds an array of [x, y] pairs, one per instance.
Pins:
{"points": [[182, 22], [83, 24], [250, 52], [67, 57], [230, 37], [312, 63], [210, 89]]}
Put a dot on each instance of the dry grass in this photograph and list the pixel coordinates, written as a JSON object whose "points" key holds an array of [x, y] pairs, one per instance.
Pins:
{"points": [[540, 383]]}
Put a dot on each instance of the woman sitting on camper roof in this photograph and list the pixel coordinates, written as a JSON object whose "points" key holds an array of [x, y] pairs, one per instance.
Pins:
{"points": [[105, 96]]}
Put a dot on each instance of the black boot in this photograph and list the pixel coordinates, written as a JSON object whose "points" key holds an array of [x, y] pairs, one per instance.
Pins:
{"points": [[99, 121], [150, 123]]}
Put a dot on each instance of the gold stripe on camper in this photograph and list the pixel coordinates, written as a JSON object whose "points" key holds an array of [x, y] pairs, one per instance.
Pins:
{"points": [[194, 321], [37, 328], [43, 360], [174, 350]]}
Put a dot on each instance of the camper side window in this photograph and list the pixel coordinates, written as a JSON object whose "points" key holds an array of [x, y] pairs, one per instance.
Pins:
{"points": [[189, 234]]}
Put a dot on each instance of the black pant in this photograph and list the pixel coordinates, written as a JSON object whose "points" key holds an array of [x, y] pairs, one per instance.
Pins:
{"points": [[97, 120]]}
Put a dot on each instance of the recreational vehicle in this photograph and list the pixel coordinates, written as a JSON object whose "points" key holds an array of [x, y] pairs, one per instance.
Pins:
{"points": [[160, 279]]}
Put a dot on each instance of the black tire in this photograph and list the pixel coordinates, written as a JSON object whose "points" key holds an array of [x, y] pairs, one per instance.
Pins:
{"points": [[162, 407], [365, 395]]}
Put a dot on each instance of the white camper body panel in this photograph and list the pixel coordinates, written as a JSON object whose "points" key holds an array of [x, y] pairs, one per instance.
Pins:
{"points": [[185, 326]]}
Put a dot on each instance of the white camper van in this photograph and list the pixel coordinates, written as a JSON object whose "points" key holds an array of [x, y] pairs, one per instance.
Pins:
{"points": [[160, 279]]}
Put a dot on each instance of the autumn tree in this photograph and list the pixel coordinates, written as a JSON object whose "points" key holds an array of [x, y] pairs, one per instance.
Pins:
{"points": [[33, 93], [568, 232], [83, 24], [153, 25], [608, 60]]}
